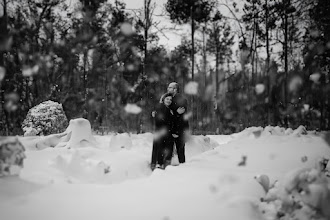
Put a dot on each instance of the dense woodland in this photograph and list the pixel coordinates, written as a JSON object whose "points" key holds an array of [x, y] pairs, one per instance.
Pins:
{"points": [[96, 57]]}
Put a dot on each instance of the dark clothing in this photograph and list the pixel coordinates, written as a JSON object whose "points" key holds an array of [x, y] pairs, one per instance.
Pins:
{"points": [[162, 148], [181, 124]]}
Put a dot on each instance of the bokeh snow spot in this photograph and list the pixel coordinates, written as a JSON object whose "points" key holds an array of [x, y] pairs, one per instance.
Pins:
{"points": [[126, 29], [132, 109], [295, 83], [260, 88], [187, 116], [191, 88], [30, 71], [2, 73], [315, 77]]}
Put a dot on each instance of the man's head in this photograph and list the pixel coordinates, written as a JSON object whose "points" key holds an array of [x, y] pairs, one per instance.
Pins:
{"points": [[173, 88]]}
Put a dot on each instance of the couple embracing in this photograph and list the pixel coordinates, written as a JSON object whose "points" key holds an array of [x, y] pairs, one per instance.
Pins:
{"points": [[171, 125]]}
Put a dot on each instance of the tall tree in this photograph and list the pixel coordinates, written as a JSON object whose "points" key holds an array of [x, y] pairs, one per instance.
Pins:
{"points": [[195, 11], [219, 43]]}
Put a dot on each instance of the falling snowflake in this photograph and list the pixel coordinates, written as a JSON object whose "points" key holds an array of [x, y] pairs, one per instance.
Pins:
{"points": [[260, 88], [2, 73], [191, 88], [295, 83], [133, 109], [127, 29], [315, 77], [27, 71]]}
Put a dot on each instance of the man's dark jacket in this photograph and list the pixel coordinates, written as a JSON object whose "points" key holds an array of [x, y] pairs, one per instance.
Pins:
{"points": [[181, 121]]}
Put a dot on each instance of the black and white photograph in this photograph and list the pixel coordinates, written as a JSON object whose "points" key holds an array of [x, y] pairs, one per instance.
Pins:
{"points": [[165, 109]]}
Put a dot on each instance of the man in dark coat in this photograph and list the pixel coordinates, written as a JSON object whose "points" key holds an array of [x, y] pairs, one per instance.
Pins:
{"points": [[181, 125]]}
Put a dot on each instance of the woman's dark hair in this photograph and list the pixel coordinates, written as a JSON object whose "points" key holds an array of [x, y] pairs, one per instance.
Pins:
{"points": [[164, 96]]}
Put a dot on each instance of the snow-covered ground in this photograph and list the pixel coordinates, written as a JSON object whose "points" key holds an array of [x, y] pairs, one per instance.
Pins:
{"points": [[111, 179]]}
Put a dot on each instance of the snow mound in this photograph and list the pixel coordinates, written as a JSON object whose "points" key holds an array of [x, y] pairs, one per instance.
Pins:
{"points": [[11, 156], [249, 132], [91, 165], [301, 130], [44, 119], [275, 130], [198, 144], [52, 140], [120, 141], [78, 134], [79, 167], [303, 194]]}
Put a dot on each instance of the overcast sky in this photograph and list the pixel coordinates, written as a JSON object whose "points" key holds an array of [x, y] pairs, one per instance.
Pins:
{"points": [[170, 39]]}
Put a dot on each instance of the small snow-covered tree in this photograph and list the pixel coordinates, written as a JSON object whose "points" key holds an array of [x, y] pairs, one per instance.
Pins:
{"points": [[44, 119]]}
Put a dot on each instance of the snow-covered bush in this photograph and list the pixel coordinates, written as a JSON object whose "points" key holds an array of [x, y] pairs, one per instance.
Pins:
{"points": [[304, 194], [44, 119], [11, 156]]}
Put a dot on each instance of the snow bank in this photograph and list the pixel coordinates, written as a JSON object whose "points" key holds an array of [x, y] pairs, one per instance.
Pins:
{"points": [[303, 194], [78, 166], [90, 165], [213, 184], [257, 132], [198, 144]]}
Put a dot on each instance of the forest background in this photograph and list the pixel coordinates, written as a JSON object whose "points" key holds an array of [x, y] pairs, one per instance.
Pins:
{"points": [[263, 62]]}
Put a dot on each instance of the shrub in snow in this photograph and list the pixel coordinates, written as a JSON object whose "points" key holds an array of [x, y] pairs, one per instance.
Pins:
{"points": [[304, 194], [44, 119], [11, 156]]}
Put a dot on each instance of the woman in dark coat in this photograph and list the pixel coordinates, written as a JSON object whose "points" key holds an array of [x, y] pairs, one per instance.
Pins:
{"points": [[163, 142]]}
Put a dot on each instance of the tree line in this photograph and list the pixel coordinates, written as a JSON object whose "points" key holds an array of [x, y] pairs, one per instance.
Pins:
{"points": [[262, 63]]}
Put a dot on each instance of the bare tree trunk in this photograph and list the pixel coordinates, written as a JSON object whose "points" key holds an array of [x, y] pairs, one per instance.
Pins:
{"points": [[269, 113], [192, 63], [3, 36], [192, 42], [287, 3], [85, 75]]}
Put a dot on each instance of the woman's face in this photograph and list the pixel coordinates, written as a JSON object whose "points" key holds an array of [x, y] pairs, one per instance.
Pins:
{"points": [[168, 100]]}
